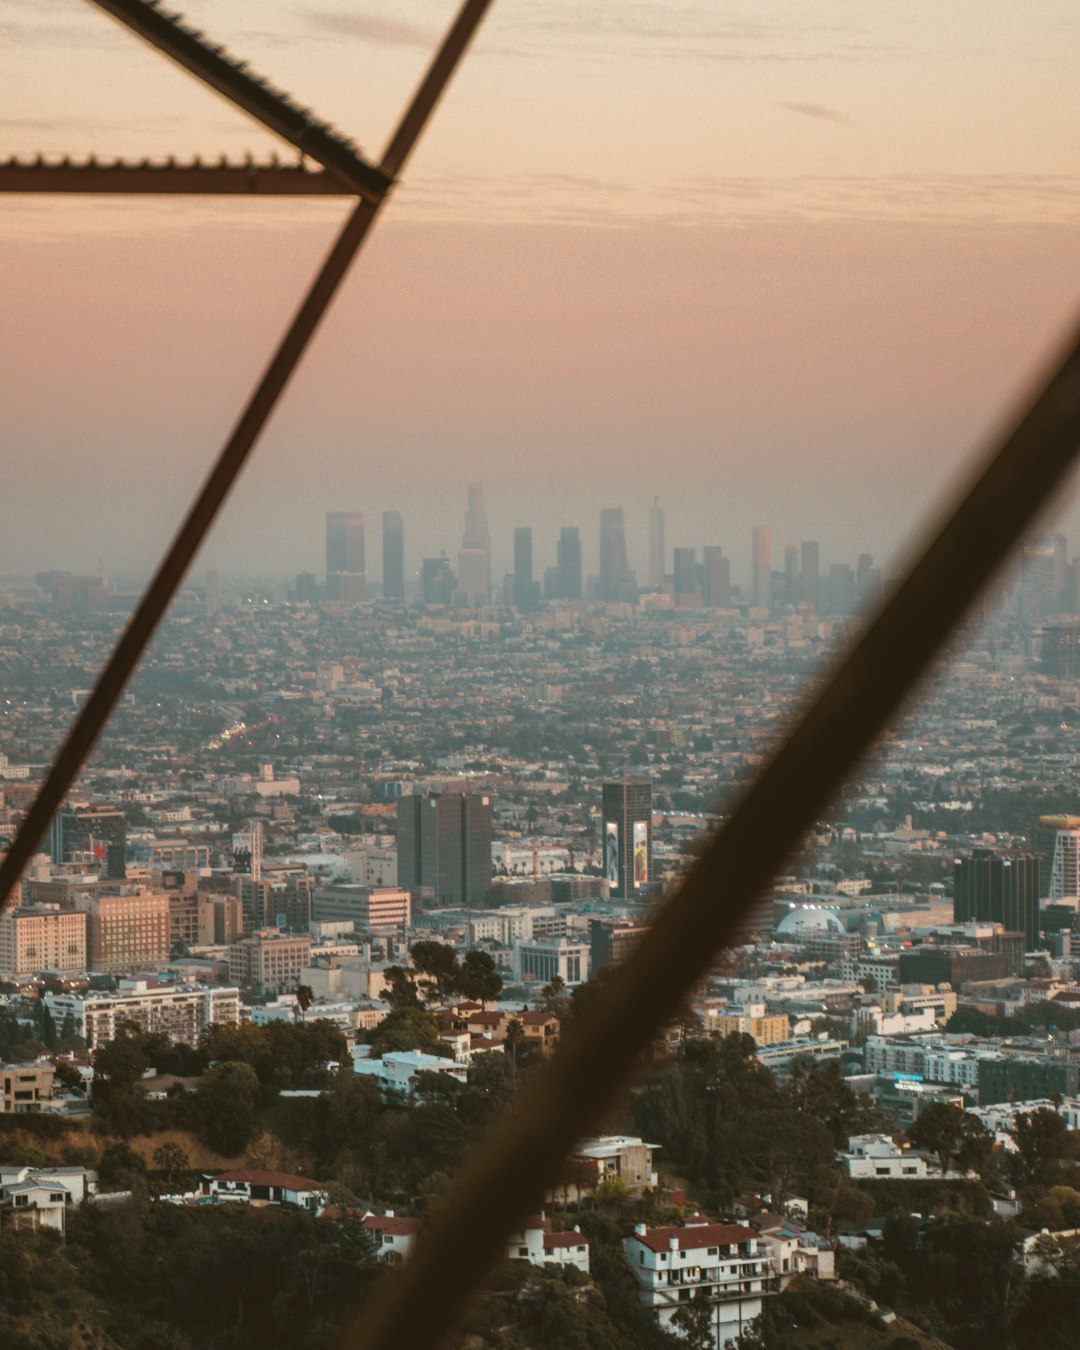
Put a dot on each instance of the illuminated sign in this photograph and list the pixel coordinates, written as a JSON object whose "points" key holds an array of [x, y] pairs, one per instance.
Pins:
{"points": [[611, 851], [641, 854]]}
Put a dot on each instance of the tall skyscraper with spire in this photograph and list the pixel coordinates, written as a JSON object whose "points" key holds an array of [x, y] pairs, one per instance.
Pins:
{"points": [[657, 559], [474, 560]]}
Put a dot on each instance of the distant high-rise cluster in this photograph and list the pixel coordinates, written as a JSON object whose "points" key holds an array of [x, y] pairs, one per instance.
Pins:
{"points": [[795, 581]]}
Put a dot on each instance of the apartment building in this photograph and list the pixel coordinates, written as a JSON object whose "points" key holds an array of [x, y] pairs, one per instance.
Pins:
{"points": [[41, 938], [181, 1013]]}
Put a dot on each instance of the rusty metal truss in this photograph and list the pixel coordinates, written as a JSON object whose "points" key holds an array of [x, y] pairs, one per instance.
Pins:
{"points": [[418, 1306]]}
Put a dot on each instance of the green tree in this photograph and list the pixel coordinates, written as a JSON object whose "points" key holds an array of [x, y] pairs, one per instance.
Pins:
{"points": [[227, 1097], [948, 1132], [1043, 1144], [305, 997], [170, 1158], [407, 1029], [436, 966], [478, 978], [695, 1323]]}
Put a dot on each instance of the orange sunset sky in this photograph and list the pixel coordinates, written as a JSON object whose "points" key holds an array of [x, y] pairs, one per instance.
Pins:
{"points": [[780, 262]]}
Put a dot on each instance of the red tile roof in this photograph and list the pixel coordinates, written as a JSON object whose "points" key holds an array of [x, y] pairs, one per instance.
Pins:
{"points": [[556, 1240], [282, 1179], [697, 1235], [391, 1223]]}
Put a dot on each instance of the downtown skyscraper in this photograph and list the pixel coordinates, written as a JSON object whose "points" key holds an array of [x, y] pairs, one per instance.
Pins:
{"points": [[346, 573], [614, 568], [474, 559], [393, 556]]}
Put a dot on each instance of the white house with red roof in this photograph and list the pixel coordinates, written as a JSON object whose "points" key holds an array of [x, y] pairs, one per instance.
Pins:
{"points": [[393, 1234], [721, 1261], [266, 1188], [541, 1245]]}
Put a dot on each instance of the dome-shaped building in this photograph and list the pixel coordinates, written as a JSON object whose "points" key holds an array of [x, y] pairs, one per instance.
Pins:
{"points": [[804, 921]]}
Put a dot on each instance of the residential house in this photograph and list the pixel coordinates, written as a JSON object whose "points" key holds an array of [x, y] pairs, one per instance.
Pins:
{"points": [[723, 1262], [539, 1244], [265, 1188]]}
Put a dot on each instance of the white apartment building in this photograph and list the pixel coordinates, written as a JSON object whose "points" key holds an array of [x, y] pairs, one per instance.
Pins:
{"points": [[180, 1013], [722, 1261], [930, 1058]]}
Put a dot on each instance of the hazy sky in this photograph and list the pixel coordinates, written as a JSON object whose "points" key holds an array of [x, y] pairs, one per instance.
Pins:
{"points": [[785, 262]]}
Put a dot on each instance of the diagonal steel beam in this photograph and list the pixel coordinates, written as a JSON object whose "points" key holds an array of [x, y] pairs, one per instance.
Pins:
{"points": [[259, 180], [420, 1304], [118, 670], [251, 93]]}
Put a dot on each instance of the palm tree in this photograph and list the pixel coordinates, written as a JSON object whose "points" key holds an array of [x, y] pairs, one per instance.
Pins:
{"points": [[305, 997]]}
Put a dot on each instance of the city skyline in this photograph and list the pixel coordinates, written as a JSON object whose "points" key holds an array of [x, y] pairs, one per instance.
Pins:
{"points": [[819, 317]]}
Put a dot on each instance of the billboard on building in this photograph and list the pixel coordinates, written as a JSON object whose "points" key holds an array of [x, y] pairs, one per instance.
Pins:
{"points": [[611, 851], [641, 853]]}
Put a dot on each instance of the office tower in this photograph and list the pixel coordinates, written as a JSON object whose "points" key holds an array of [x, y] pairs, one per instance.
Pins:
{"points": [[474, 560], [716, 570], [525, 592], [213, 590], [444, 842], [1065, 867], [627, 837], [614, 568], [1038, 591], [437, 581], [96, 835], [393, 556], [998, 890], [346, 573], [657, 556], [125, 933], [568, 563], [841, 588], [761, 581], [1061, 571], [687, 593], [810, 580], [867, 580], [791, 576], [306, 590]]}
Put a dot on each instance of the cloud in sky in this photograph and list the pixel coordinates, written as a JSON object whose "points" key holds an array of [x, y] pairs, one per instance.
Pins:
{"points": [[815, 110], [372, 28]]}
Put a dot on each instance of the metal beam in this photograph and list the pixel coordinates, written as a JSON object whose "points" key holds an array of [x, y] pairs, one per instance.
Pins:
{"points": [[251, 93], [125, 657], [259, 180]]}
